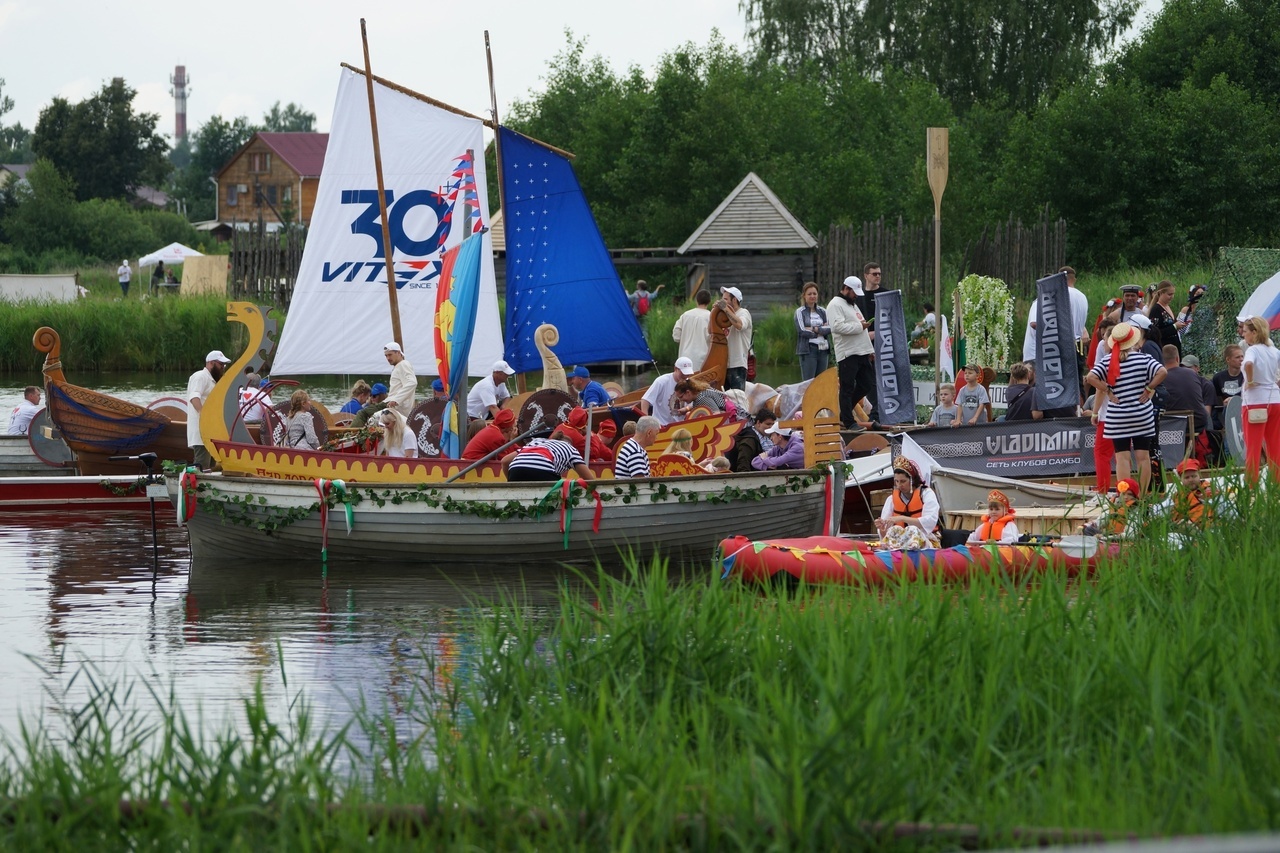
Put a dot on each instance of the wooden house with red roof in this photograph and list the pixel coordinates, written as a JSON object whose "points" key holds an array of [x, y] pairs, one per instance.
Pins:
{"points": [[272, 178]]}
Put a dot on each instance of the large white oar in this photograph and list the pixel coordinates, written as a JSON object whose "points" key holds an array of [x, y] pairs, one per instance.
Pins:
{"points": [[1082, 547]]}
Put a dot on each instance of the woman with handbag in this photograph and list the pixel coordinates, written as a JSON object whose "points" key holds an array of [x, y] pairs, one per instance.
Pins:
{"points": [[812, 332], [1261, 398]]}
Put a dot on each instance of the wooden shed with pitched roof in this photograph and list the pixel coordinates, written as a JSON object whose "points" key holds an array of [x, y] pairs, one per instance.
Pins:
{"points": [[752, 242]]}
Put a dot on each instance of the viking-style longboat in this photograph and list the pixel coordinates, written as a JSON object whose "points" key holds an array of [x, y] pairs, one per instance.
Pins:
{"points": [[98, 426]]}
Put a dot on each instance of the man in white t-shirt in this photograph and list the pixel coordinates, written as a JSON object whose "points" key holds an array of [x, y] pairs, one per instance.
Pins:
{"points": [[20, 419], [659, 400], [123, 273], [404, 382], [738, 338], [483, 402], [691, 331], [199, 386]]}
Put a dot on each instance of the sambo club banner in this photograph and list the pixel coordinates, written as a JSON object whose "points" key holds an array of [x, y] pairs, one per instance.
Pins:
{"points": [[894, 388], [1057, 374], [434, 171], [1033, 448]]}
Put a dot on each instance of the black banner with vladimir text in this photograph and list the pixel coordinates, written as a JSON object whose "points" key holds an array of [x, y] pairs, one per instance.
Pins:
{"points": [[893, 361], [1057, 374], [1033, 448]]}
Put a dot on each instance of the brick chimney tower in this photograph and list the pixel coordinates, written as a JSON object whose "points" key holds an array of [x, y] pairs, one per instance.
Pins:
{"points": [[179, 81]]}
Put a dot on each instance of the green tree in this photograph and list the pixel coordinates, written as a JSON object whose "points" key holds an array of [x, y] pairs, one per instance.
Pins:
{"points": [[101, 144], [1006, 51], [211, 147], [43, 214], [15, 140], [291, 119]]}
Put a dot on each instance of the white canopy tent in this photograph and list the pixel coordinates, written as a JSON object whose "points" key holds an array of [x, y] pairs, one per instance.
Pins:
{"points": [[174, 253]]}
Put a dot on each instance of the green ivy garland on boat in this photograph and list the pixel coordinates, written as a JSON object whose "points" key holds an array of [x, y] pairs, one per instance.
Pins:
{"points": [[255, 511]]}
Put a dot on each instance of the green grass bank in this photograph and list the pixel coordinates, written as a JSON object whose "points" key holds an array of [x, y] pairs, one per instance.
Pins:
{"points": [[646, 715]]}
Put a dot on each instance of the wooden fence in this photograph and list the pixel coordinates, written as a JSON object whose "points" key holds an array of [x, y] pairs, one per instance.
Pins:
{"points": [[264, 265], [1015, 253], [1018, 254], [904, 252]]}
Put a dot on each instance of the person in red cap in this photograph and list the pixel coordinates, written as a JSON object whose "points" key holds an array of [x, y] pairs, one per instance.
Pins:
{"points": [[494, 434], [1191, 499], [572, 431]]}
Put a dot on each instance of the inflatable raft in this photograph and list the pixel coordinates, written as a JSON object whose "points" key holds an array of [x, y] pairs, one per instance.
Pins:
{"points": [[831, 559]]}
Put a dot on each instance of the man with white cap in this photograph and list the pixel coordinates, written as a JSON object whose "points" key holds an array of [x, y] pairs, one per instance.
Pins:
{"points": [[404, 382], [853, 349], [123, 275], [1129, 298], [660, 400], [738, 337], [486, 395], [787, 450], [199, 386], [1142, 323]]}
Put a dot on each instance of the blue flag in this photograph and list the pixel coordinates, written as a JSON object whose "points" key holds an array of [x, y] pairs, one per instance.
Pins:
{"points": [[894, 388], [558, 268]]}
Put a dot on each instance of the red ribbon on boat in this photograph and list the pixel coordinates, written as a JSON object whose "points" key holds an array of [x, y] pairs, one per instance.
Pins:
{"points": [[828, 502], [187, 494], [566, 516]]}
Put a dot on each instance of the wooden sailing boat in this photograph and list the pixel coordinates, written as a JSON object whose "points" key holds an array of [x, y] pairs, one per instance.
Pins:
{"points": [[97, 426]]}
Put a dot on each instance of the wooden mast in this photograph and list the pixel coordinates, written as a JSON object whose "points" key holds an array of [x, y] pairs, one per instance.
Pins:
{"points": [[521, 385], [392, 299]]}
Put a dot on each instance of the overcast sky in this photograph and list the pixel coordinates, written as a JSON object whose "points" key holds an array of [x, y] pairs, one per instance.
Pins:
{"points": [[242, 57]]}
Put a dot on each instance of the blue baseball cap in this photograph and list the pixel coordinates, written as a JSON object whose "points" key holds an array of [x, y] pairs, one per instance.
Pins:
{"points": [[378, 388], [437, 385], [580, 372]]}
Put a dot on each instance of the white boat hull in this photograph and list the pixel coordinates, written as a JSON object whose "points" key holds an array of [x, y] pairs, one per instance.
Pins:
{"points": [[682, 518]]}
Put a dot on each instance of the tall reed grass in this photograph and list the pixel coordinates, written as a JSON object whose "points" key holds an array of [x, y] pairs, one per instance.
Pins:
{"points": [[650, 715], [105, 334]]}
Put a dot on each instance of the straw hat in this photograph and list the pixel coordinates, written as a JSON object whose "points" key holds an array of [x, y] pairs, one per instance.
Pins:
{"points": [[1124, 336]]}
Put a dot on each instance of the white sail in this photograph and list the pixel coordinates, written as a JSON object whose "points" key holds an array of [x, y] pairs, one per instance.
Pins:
{"points": [[339, 318]]}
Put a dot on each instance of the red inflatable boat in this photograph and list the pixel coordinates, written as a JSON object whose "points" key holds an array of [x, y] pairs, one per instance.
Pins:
{"points": [[831, 559]]}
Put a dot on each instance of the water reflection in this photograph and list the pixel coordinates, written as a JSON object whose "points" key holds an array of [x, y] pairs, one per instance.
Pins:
{"points": [[81, 591]]}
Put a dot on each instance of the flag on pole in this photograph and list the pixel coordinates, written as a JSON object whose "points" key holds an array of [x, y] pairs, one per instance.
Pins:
{"points": [[457, 300], [946, 358]]}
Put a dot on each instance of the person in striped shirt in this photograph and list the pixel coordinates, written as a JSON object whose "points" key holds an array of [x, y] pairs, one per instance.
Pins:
{"points": [[1126, 380], [632, 459], [544, 460]]}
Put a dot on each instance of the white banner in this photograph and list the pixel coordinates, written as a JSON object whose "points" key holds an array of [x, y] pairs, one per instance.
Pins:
{"points": [[340, 317]]}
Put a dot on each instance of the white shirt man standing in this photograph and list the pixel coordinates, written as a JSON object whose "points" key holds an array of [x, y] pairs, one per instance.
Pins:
{"points": [[403, 380], [852, 343], [199, 386], [124, 274], [486, 395], [20, 419], [738, 338], [691, 331]]}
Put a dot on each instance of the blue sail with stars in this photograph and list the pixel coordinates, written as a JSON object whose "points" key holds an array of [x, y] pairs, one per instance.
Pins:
{"points": [[558, 268]]}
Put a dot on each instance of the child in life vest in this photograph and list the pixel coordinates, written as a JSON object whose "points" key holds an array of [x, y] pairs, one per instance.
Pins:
{"points": [[997, 525], [1191, 497]]}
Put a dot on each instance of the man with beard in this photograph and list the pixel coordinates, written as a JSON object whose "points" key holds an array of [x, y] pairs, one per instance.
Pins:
{"points": [[199, 387], [853, 348]]}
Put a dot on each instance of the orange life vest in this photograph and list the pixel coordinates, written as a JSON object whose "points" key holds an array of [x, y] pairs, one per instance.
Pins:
{"points": [[991, 531], [913, 508], [1119, 521], [1190, 506]]}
